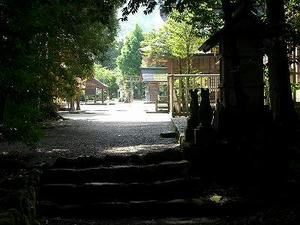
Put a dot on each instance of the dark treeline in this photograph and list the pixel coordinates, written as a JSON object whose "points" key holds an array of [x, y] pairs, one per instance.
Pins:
{"points": [[44, 46]]}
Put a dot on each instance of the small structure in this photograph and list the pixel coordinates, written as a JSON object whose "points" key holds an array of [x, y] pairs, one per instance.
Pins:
{"points": [[154, 77], [91, 87], [168, 85]]}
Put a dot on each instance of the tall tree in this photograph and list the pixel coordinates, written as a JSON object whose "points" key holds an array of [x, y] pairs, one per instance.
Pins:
{"points": [[183, 38], [279, 74], [108, 59], [130, 60]]}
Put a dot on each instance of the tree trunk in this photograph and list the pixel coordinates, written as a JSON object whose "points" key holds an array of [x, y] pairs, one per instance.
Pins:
{"points": [[72, 105], [78, 102], [279, 76]]}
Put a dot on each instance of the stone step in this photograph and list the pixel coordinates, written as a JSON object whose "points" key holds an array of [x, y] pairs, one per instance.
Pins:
{"points": [[119, 173], [152, 157], [105, 192], [154, 208]]}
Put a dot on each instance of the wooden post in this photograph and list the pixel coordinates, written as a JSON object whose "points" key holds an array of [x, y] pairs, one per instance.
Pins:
{"points": [[108, 97], [294, 71], [180, 97], [187, 87], [170, 82], [194, 83], [168, 93], [215, 88], [102, 95]]}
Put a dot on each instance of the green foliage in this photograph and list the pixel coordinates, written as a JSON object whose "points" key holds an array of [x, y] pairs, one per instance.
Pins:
{"points": [[156, 44], [130, 60], [108, 77], [44, 46], [108, 59], [292, 9], [177, 38], [205, 16], [183, 40]]}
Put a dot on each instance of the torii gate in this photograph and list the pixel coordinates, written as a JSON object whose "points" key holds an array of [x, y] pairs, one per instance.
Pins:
{"points": [[131, 80]]}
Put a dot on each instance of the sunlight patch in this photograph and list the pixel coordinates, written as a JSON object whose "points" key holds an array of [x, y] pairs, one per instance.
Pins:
{"points": [[216, 198], [59, 150], [139, 148]]}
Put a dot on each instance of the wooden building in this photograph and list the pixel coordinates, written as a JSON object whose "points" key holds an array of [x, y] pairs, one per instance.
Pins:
{"points": [[200, 63], [154, 77], [91, 86]]}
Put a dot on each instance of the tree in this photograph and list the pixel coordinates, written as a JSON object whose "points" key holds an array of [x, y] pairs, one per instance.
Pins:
{"points": [[108, 59], [279, 74], [178, 39], [44, 46], [130, 60], [156, 44]]}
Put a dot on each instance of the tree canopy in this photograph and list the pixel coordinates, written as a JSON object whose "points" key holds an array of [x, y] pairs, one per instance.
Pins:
{"points": [[44, 45], [209, 15], [178, 38], [108, 58]]}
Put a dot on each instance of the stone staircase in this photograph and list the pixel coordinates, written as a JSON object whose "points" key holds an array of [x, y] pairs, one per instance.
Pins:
{"points": [[152, 184]]}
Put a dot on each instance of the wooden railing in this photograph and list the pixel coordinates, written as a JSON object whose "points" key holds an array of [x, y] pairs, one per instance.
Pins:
{"points": [[179, 86]]}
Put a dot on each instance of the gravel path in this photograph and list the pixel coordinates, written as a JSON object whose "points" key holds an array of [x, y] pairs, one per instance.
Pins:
{"points": [[105, 129], [180, 123]]}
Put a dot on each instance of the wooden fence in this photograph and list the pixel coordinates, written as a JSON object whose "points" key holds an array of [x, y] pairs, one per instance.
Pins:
{"points": [[179, 86]]}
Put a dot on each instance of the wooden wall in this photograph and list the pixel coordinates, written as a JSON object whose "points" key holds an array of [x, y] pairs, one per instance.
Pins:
{"points": [[202, 63]]}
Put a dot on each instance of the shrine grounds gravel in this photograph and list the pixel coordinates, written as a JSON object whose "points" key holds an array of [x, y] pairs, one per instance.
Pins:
{"points": [[109, 129], [96, 130]]}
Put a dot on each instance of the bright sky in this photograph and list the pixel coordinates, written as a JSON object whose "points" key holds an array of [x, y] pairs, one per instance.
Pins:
{"points": [[147, 22]]}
